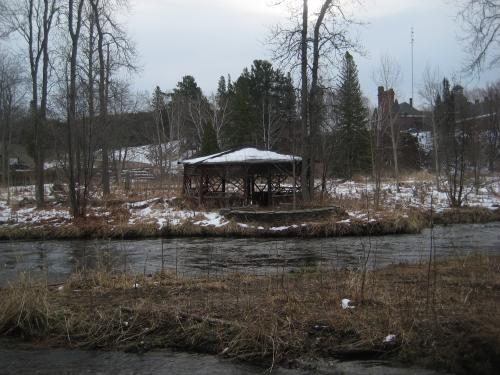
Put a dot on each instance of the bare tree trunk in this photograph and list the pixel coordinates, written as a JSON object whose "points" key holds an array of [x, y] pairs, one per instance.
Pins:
{"points": [[435, 146], [305, 172], [314, 104], [103, 105], [74, 31], [34, 58], [394, 142], [48, 13]]}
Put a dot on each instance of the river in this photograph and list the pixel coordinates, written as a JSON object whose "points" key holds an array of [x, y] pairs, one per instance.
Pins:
{"points": [[76, 362]]}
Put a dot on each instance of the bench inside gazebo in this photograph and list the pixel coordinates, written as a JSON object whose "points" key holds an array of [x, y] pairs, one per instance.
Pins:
{"points": [[242, 177]]}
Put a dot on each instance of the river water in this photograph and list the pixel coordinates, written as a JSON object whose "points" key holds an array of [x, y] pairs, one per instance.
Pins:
{"points": [[77, 362], [56, 260]]}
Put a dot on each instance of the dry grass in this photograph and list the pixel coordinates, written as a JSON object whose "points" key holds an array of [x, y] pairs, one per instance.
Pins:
{"points": [[454, 324], [25, 310]]}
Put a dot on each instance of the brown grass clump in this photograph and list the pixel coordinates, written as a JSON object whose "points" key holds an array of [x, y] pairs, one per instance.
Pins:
{"points": [[467, 215], [25, 310], [448, 318]]}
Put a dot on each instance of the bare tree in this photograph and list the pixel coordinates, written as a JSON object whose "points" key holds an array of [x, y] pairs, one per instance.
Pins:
{"points": [[115, 50], [220, 110], [33, 21], [10, 96], [158, 106], [74, 28], [492, 103], [388, 74], [480, 21], [327, 37], [430, 92]]}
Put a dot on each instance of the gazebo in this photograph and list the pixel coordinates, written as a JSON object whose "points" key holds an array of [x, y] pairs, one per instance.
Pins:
{"points": [[241, 177]]}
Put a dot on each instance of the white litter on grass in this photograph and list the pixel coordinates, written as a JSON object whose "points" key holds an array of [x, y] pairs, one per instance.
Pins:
{"points": [[346, 304], [389, 339], [60, 288], [136, 286]]}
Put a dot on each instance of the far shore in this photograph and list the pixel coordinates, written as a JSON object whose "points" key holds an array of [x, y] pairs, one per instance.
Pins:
{"points": [[410, 222]]}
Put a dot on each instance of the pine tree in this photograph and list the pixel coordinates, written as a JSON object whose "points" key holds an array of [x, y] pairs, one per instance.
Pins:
{"points": [[209, 141], [262, 107], [352, 130]]}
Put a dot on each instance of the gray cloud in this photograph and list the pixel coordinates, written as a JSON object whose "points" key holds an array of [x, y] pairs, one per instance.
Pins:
{"points": [[208, 39]]}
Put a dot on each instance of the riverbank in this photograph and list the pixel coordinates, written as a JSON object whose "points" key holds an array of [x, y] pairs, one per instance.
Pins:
{"points": [[446, 319], [407, 210], [209, 224]]}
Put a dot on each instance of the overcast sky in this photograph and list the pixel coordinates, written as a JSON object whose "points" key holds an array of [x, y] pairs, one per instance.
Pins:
{"points": [[210, 38]]}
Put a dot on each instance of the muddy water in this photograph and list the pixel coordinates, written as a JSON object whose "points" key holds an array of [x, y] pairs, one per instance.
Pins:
{"points": [[55, 260], [75, 362]]}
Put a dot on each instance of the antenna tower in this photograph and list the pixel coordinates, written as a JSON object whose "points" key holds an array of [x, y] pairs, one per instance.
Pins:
{"points": [[412, 45]]}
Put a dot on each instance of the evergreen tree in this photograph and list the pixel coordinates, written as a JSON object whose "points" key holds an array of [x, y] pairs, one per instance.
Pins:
{"points": [[262, 107], [352, 132], [209, 141], [240, 130], [189, 110]]}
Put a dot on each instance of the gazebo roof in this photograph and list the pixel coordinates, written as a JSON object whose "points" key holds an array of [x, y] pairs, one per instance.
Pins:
{"points": [[246, 155]]}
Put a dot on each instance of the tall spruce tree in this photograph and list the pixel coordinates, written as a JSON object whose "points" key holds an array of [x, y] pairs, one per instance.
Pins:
{"points": [[352, 131]]}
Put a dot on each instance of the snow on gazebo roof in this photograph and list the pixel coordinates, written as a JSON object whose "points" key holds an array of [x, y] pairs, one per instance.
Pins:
{"points": [[246, 155]]}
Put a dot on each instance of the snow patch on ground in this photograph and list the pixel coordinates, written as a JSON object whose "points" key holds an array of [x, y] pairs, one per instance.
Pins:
{"points": [[212, 219], [416, 194]]}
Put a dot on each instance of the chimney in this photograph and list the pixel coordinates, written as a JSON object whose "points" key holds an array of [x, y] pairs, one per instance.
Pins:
{"points": [[380, 95], [390, 96], [411, 102]]}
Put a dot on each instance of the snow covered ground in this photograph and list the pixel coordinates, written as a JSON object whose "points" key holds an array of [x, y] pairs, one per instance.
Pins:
{"points": [[417, 194], [164, 212]]}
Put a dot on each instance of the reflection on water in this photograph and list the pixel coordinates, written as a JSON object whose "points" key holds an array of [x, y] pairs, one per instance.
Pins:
{"points": [[217, 256]]}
